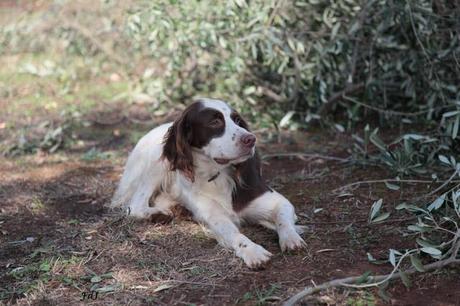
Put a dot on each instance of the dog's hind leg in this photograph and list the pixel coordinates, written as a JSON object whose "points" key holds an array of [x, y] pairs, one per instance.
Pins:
{"points": [[143, 175], [138, 205]]}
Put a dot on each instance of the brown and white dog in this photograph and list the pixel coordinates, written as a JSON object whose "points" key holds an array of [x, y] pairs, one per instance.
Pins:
{"points": [[206, 162]]}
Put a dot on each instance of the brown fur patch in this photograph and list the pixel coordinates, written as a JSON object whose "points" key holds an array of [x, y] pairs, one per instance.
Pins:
{"points": [[192, 128]]}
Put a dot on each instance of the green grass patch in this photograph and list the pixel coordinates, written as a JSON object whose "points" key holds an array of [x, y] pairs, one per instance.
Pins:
{"points": [[46, 83]]}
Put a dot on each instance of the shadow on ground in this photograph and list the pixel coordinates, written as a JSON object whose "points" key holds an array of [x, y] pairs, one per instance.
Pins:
{"points": [[58, 241]]}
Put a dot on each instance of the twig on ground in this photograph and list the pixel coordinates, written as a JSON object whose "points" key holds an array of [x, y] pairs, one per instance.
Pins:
{"points": [[346, 282], [383, 181], [354, 221], [300, 155], [448, 181], [192, 283], [456, 246], [397, 181], [383, 279]]}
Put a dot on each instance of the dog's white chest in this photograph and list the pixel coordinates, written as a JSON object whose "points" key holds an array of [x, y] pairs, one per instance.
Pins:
{"points": [[217, 191]]}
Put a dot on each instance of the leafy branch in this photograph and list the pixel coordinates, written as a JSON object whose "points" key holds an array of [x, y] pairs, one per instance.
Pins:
{"points": [[375, 281]]}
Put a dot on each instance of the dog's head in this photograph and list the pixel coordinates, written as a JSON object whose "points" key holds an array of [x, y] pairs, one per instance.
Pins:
{"points": [[212, 128]]}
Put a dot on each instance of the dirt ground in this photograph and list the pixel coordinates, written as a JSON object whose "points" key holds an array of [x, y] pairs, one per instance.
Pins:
{"points": [[58, 243]]}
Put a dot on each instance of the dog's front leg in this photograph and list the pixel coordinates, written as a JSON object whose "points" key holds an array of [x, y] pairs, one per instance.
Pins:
{"points": [[227, 233], [274, 211]]}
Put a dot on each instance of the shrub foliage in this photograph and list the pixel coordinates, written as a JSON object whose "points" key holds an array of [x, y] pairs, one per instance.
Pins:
{"points": [[350, 57]]}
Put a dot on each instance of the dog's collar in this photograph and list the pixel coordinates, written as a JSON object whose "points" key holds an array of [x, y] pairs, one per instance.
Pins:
{"points": [[214, 177]]}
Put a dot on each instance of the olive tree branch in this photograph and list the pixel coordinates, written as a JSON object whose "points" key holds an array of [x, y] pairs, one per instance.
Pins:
{"points": [[379, 279]]}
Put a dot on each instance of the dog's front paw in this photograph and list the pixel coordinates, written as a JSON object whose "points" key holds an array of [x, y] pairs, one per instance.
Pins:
{"points": [[143, 213], [290, 240], [253, 255]]}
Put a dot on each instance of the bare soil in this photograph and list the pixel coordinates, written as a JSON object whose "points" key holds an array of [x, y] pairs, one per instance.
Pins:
{"points": [[58, 242]]}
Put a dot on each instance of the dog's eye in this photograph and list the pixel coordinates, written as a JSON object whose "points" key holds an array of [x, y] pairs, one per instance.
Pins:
{"points": [[237, 119], [216, 123]]}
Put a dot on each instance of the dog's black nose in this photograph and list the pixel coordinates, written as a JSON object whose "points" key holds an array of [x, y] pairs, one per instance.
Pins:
{"points": [[248, 140]]}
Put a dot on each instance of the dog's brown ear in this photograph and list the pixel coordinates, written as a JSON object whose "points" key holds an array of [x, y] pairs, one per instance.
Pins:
{"points": [[177, 148]]}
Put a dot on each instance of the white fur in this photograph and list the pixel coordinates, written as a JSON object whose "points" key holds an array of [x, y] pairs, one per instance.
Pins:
{"points": [[209, 202]]}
